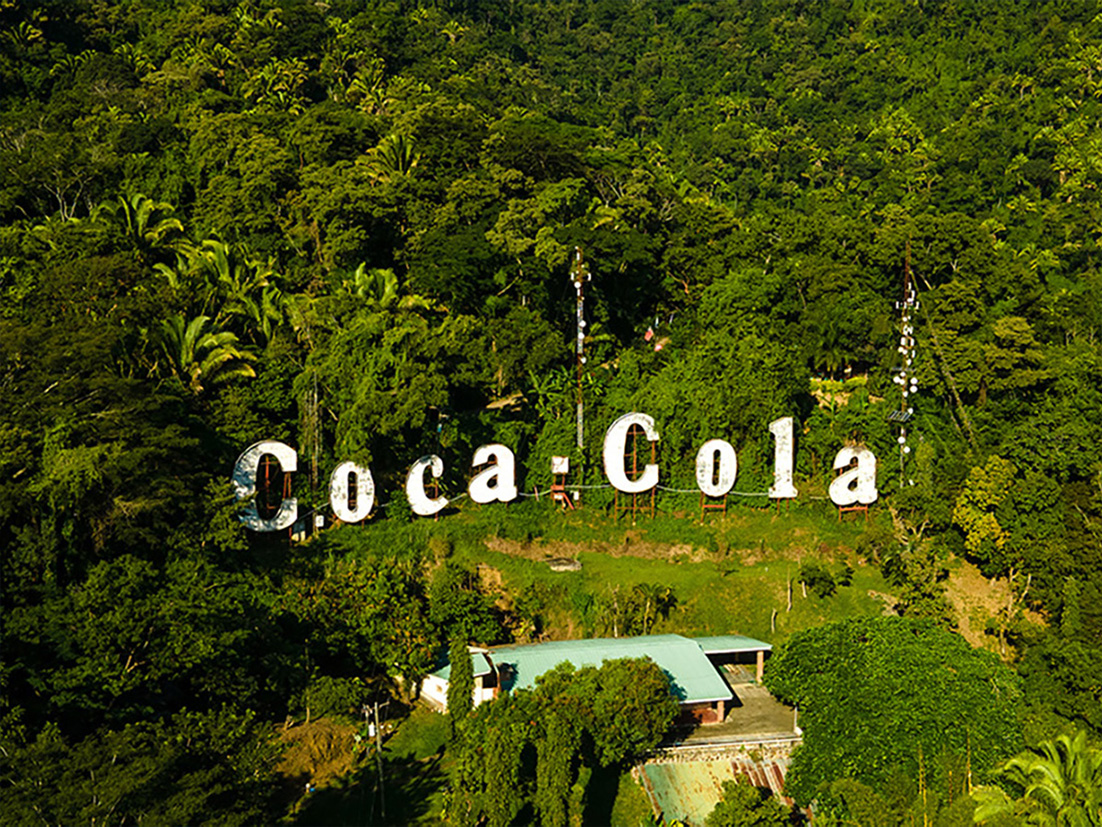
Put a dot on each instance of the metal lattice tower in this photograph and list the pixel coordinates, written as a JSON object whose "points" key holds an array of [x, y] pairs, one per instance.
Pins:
{"points": [[906, 378]]}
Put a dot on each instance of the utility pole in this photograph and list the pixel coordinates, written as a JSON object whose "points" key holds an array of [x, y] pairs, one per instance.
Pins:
{"points": [[379, 762], [579, 275]]}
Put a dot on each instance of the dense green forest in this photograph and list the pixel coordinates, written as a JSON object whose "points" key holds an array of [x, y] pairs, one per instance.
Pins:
{"points": [[349, 225]]}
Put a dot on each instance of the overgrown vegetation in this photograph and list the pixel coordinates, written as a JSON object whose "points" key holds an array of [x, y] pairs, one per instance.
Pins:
{"points": [[348, 226]]}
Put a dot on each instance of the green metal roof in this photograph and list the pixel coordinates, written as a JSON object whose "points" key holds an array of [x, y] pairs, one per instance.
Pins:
{"points": [[722, 644], [479, 666], [693, 678]]}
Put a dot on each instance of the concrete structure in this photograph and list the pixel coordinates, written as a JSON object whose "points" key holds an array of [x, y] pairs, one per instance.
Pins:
{"points": [[690, 664], [687, 783]]}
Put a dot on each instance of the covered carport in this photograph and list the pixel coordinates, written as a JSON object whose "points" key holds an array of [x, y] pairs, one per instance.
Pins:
{"points": [[736, 654]]}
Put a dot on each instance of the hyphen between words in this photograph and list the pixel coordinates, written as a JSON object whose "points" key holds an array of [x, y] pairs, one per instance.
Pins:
{"points": [[716, 469]]}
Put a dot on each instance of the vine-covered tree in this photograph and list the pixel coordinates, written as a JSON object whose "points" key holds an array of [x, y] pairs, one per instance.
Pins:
{"points": [[881, 695], [460, 683]]}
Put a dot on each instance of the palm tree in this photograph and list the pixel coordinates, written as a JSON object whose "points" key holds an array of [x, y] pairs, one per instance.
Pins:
{"points": [[146, 224], [379, 286], [828, 346], [262, 311], [380, 290], [228, 272], [657, 600], [393, 158], [200, 357], [1061, 782], [217, 278]]}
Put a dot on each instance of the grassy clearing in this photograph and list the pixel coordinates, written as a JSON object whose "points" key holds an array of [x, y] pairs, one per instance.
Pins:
{"points": [[711, 598], [729, 573], [420, 736]]}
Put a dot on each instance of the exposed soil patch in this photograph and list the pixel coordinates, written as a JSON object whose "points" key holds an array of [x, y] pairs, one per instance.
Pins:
{"points": [[540, 550], [318, 753], [889, 601], [631, 546], [977, 600], [490, 579]]}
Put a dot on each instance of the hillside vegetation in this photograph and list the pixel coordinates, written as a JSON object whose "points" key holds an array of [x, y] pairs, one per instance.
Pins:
{"points": [[350, 225]]}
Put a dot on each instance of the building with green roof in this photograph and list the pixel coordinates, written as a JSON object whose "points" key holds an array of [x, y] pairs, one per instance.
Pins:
{"points": [[689, 663]]}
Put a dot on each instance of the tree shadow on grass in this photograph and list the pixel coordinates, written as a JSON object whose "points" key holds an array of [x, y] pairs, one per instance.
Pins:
{"points": [[405, 796], [601, 794]]}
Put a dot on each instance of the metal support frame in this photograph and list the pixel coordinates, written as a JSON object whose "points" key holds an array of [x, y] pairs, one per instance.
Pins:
{"points": [[846, 509], [712, 504], [559, 493], [432, 489], [637, 504], [269, 468], [857, 508]]}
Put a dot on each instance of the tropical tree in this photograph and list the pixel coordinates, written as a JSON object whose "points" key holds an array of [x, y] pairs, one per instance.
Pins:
{"points": [[262, 311], [882, 695], [199, 356], [378, 285], [460, 683], [217, 277], [657, 600], [744, 805], [147, 225], [393, 158], [1059, 785]]}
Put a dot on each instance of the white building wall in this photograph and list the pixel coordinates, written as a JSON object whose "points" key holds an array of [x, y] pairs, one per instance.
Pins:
{"points": [[435, 691]]}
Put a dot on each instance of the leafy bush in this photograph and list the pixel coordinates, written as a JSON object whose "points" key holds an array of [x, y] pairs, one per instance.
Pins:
{"points": [[325, 695], [818, 579]]}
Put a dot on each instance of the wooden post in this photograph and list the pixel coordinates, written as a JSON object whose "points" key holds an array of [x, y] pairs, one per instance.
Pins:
{"points": [[761, 664]]}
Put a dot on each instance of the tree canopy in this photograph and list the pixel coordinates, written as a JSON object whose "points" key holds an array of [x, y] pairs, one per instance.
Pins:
{"points": [[349, 226]]}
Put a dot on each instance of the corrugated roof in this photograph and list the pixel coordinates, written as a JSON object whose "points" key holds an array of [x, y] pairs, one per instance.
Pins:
{"points": [[693, 678], [722, 644], [479, 665]]}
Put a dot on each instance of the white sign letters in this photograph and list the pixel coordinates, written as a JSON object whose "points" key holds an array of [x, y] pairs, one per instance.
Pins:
{"points": [[716, 471], [616, 439], [244, 484], [339, 490], [716, 467], [419, 501], [858, 484], [498, 483], [784, 458]]}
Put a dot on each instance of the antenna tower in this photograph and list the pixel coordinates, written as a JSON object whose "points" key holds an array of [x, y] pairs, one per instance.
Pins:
{"points": [[579, 274], [906, 378]]}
